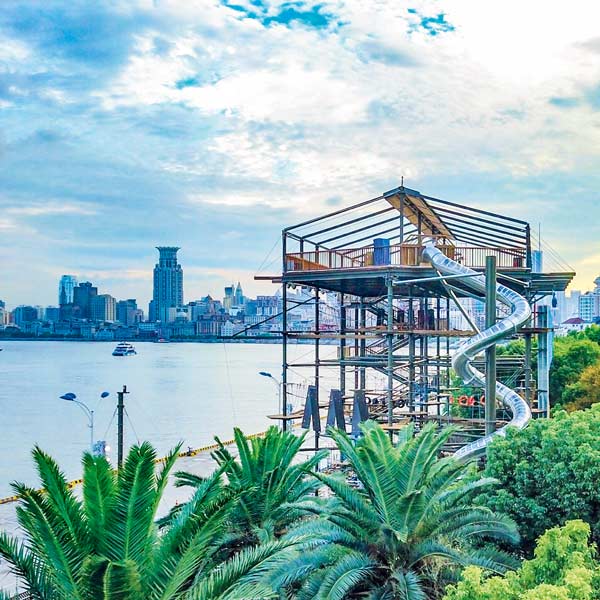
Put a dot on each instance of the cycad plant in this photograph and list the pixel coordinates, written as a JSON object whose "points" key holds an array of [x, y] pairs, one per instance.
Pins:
{"points": [[107, 545], [404, 532], [268, 479]]}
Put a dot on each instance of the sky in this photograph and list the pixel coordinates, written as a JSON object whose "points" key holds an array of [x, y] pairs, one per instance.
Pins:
{"points": [[211, 125]]}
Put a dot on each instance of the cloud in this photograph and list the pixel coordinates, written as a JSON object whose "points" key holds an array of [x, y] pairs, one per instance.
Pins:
{"points": [[215, 125], [52, 209]]}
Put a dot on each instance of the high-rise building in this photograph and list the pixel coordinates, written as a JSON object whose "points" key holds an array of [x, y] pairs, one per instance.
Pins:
{"points": [[228, 299], [82, 297], [128, 312], [52, 313], [589, 306], [66, 287], [537, 261], [24, 314], [168, 285], [239, 296], [103, 308]]}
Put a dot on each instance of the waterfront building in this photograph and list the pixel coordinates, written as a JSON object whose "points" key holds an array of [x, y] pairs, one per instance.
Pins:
{"points": [[228, 299], [268, 306], [83, 295], [24, 314], [103, 308], [239, 298], [52, 313], [66, 289], [128, 312], [168, 284]]}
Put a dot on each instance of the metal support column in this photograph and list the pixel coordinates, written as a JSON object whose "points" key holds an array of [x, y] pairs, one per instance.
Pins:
{"points": [[411, 353], [284, 360], [317, 358], [363, 344], [390, 353], [120, 427], [490, 353], [342, 346], [528, 368]]}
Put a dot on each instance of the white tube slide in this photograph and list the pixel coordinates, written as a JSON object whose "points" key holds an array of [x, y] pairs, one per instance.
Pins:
{"points": [[461, 361]]}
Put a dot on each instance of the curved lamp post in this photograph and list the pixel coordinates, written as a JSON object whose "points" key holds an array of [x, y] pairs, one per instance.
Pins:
{"points": [[277, 383], [71, 397]]}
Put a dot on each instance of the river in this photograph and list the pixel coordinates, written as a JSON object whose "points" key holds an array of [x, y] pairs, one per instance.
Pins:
{"points": [[186, 392]]}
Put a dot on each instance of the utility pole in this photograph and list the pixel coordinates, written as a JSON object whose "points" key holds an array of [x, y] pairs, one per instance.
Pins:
{"points": [[120, 412], [490, 353]]}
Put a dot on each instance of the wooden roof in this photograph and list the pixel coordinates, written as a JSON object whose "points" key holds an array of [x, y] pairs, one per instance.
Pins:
{"points": [[413, 205]]}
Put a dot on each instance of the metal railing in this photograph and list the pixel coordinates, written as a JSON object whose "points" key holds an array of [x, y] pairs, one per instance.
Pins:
{"points": [[401, 255]]}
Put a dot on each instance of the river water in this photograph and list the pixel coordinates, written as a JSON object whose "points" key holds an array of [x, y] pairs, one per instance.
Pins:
{"points": [[186, 392]]}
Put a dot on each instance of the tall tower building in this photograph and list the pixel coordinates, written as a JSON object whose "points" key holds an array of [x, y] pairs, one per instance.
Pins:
{"points": [[66, 285], [239, 295], [103, 307], [83, 295], [168, 285]]}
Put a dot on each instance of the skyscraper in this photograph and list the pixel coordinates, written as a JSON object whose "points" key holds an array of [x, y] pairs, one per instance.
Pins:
{"points": [[66, 285], [239, 295], [168, 285], [103, 307], [82, 297]]}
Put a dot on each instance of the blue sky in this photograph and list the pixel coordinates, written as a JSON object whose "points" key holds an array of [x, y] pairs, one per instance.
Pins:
{"points": [[212, 125]]}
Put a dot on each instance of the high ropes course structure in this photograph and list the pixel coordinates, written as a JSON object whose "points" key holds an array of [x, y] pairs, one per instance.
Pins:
{"points": [[424, 290]]}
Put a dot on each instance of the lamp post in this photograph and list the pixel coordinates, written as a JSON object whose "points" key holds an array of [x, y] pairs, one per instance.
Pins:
{"points": [[277, 383], [71, 397]]}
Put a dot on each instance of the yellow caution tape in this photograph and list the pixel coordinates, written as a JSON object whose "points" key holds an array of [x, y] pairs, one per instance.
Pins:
{"points": [[193, 452]]}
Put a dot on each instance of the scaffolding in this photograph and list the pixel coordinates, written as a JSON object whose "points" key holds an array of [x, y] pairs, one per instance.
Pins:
{"points": [[397, 321]]}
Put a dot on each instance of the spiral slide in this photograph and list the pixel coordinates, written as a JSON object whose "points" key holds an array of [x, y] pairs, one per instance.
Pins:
{"points": [[461, 362]]}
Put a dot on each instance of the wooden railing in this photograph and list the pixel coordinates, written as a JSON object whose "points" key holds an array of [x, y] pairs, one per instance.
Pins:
{"points": [[401, 255]]}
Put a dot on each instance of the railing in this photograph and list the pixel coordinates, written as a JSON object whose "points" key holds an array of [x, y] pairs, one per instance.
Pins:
{"points": [[401, 255]]}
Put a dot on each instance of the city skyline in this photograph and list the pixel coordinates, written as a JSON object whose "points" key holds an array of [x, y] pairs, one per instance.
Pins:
{"points": [[169, 130]]}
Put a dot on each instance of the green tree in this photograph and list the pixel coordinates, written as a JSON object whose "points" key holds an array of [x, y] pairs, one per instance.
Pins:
{"points": [[585, 391], [268, 481], [548, 473], [408, 527], [107, 545], [563, 568], [571, 357]]}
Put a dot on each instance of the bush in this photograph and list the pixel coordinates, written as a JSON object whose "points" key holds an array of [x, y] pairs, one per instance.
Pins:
{"points": [[564, 568], [585, 391], [571, 357], [548, 473]]}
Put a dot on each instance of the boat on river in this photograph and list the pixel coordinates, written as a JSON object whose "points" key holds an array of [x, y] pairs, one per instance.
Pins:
{"points": [[124, 349]]}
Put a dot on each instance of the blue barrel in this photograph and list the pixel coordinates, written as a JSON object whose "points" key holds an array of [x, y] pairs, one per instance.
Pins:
{"points": [[381, 251]]}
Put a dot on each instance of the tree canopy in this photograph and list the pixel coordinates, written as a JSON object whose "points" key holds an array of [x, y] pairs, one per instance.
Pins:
{"points": [[548, 473], [563, 568]]}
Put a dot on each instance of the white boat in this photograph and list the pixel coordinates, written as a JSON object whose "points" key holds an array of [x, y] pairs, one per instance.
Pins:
{"points": [[124, 349]]}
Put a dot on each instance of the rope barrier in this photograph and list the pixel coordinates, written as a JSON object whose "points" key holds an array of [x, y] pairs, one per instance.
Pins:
{"points": [[162, 459]]}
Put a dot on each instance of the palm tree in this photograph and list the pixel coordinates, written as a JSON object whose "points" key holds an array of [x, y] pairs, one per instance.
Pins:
{"points": [[404, 532], [107, 545], [268, 480]]}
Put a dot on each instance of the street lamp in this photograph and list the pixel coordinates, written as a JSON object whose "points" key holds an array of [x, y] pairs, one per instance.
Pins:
{"points": [[277, 383], [71, 397]]}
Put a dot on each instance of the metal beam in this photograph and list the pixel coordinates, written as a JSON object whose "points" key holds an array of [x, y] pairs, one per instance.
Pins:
{"points": [[490, 353]]}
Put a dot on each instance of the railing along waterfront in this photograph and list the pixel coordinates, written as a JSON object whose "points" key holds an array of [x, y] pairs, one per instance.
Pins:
{"points": [[401, 255]]}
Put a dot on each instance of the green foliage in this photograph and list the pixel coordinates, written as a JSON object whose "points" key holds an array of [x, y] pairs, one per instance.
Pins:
{"points": [[408, 529], [268, 481], [572, 356], [563, 568], [585, 391], [548, 474], [107, 546]]}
